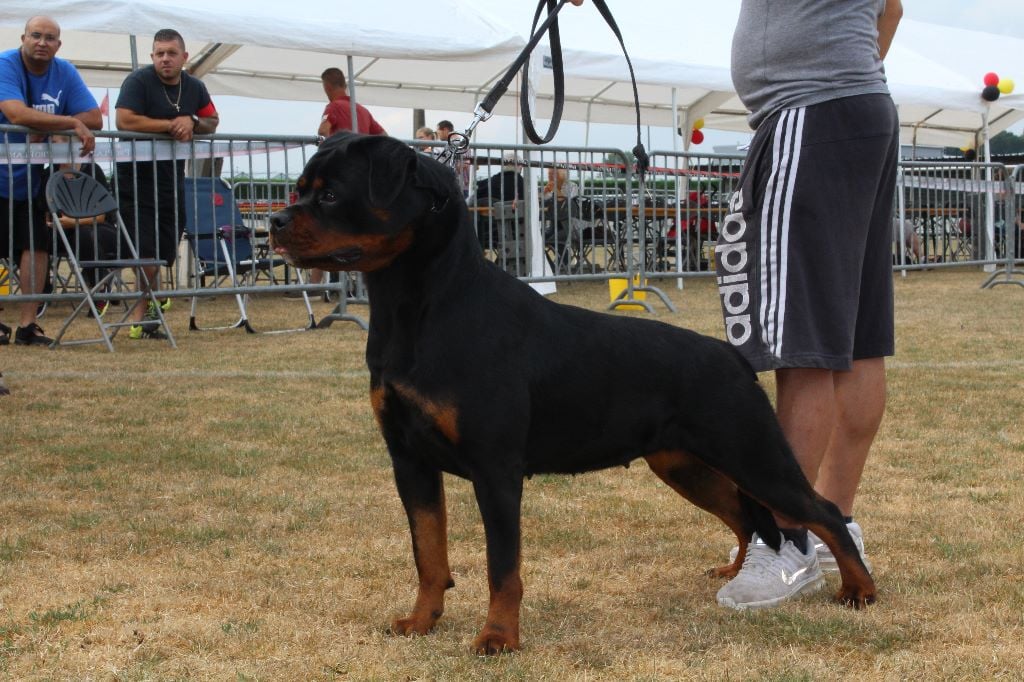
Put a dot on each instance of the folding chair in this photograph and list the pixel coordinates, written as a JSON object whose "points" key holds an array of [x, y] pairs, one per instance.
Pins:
{"points": [[77, 195], [508, 235], [222, 249]]}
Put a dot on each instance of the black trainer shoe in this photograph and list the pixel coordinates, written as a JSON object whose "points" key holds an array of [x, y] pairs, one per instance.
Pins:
{"points": [[5, 334], [31, 335]]}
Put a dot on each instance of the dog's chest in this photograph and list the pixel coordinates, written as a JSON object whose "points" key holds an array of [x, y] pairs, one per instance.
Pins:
{"points": [[419, 424]]}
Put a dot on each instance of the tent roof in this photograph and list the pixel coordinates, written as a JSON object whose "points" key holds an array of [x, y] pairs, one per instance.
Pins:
{"points": [[934, 72], [446, 58], [269, 50]]}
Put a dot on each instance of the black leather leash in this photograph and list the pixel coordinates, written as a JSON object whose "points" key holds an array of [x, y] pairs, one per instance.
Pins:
{"points": [[459, 142]]}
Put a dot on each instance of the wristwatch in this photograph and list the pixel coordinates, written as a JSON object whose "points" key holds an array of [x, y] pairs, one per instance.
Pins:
{"points": [[195, 121]]}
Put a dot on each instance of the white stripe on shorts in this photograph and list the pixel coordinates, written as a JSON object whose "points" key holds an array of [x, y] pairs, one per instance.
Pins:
{"points": [[775, 213]]}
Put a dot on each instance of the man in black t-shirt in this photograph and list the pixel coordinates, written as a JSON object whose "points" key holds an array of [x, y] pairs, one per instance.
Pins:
{"points": [[160, 99]]}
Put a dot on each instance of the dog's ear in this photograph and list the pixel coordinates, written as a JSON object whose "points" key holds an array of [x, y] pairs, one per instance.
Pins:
{"points": [[392, 164]]}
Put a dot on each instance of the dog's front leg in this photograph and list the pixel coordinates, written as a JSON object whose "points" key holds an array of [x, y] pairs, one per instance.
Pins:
{"points": [[499, 496], [422, 491]]}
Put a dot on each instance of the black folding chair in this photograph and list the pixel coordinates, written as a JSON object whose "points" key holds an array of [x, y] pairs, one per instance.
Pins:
{"points": [[79, 196]]}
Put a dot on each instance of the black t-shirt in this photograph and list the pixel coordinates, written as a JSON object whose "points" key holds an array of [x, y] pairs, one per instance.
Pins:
{"points": [[144, 93], [504, 186]]}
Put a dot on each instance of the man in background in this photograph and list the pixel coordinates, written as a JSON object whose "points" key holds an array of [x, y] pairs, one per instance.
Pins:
{"points": [[338, 112], [338, 117], [38, 90], [159, 98]]}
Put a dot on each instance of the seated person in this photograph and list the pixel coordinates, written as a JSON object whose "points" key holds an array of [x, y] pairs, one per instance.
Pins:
{"points": [[505, 185], [903, 231], [556, 198], [559, 186]]}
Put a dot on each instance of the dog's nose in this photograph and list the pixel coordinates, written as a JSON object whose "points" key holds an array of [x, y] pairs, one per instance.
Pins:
{"points": [[279, 221]]}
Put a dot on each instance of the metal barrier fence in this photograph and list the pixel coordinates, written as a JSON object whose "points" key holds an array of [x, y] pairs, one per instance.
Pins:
{"points": [[199, 187], [1010, 231], [544, 214], [951, 214]]}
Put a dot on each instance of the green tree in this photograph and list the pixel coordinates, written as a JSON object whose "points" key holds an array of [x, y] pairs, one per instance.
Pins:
{"points": [[1008, 143]]}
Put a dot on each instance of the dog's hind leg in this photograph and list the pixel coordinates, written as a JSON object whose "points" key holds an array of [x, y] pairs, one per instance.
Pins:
{"points": [[422, 491], [499, 496], [709, 490], [778, 483]]}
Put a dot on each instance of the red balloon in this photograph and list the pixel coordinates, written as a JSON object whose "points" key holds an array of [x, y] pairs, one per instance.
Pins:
{"points": [[696, 137], [991, 78]]}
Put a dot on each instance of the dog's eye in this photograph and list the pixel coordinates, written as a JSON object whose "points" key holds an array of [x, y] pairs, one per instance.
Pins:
{"points": [[327, 197]]}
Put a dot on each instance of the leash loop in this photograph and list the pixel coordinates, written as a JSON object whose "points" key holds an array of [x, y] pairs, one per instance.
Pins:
{"points": [[458, 143]]}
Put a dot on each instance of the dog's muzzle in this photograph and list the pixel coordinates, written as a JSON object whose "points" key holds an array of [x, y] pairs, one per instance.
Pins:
{"points": [[279, 222]]}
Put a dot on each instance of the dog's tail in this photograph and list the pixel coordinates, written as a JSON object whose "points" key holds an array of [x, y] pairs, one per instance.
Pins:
{"points": [[762, 520]]}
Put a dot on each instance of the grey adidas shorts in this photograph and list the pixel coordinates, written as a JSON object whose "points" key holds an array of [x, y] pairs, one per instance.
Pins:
{"points": [[804, 256]]}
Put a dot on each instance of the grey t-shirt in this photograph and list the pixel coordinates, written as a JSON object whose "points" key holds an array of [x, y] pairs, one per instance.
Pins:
{"points": [[793, 53]]}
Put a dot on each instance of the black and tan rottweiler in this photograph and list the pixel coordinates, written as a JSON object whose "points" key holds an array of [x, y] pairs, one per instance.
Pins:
{"points": [[473, 373]]}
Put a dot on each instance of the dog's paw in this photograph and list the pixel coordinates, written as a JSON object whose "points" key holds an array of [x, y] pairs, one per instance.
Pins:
{"points": [[492, 641], [413, 625], [854, 597], [728, 571]]}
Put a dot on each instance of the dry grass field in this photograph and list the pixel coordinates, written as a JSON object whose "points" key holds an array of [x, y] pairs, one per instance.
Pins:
{"points": [[226, 511]]}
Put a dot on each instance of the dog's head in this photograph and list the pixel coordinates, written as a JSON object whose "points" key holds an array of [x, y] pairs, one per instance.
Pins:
{"points": [[360, 201]]}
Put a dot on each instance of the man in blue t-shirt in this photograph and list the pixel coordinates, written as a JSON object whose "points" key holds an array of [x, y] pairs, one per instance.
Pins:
{"points": [[41, 92]]}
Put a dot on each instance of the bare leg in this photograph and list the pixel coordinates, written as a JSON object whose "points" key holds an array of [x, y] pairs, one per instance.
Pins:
{"points": [[139, 311], [806, 406], [860, 404], [33, 273], [830, 419]]}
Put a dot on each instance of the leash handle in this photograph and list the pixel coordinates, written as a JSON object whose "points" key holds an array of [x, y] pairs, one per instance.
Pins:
{"points": [[499, 89], [557, 68], [457, 147], [643, 161]]}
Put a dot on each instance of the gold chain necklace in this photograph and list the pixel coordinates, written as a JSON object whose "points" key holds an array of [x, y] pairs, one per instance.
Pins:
{"points": [[177, 100]]}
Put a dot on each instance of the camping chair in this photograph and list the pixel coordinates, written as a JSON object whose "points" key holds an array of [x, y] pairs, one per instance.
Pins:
{"points": [[77, 195], [508, 235], [223, 251]]}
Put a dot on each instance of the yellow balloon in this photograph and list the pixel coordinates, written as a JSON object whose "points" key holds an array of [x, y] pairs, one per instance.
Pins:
{"points": [[1005, 85], [699, 123]]}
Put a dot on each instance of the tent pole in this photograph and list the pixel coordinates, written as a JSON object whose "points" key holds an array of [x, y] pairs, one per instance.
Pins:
{"points": [[352, 92], [990, 228], [675, 120], [586, 133], [134, 51]]}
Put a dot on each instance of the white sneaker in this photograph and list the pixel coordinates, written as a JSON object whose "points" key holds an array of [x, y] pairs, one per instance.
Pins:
{"points": [[769, 578], [825, 558]]}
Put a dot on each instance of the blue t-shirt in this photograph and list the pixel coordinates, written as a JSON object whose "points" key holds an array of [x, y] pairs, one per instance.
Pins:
{"points": [[60, 91]]}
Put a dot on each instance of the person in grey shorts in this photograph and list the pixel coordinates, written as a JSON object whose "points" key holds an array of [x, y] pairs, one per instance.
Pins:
{"points": [[804, 256]]}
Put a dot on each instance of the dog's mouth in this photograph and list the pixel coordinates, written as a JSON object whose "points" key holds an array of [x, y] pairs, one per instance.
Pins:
{"points": [[343, 257], [338, 259]]}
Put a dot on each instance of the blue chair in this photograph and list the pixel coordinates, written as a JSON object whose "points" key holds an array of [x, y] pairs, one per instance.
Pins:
{"points": [[222, 249]]}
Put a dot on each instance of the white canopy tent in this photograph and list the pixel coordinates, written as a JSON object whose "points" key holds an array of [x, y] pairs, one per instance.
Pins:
{"points": [[681, 51], [448, 57], [409, 58]]}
